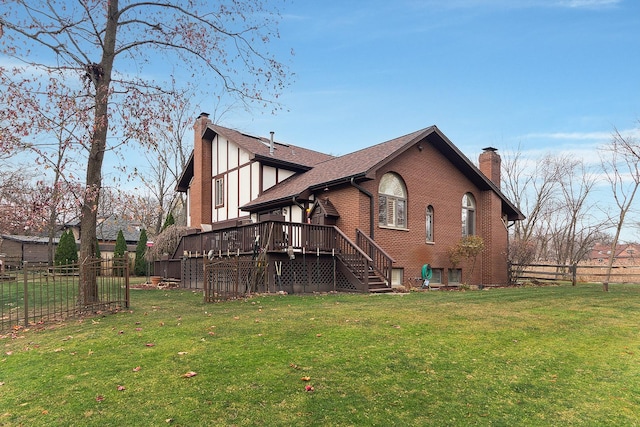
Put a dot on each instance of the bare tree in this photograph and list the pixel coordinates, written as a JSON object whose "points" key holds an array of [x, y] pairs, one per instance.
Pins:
{"points": [[621, 164], [86, 39], [555, 194], [573, 228], [531, 185]]}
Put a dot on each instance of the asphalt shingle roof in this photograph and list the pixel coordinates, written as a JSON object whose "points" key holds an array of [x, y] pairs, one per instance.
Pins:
{"points": [[343, 168], [259, 146]]}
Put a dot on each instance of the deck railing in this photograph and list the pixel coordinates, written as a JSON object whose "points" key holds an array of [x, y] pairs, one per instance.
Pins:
{"points": [[268, 235]]}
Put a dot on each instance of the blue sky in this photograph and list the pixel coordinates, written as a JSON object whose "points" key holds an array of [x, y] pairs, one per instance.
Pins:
{"points": [[542, 75], [539, 74]]}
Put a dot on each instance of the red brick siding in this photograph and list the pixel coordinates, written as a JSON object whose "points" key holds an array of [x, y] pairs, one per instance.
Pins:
{"points": [[430, 179], [200, 196]]}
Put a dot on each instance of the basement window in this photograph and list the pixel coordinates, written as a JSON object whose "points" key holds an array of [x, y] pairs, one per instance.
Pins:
{"points": [[455, 276]]}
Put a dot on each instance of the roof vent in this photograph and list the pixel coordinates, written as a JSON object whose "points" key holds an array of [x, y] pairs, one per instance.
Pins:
{"points": [[271, 143]]}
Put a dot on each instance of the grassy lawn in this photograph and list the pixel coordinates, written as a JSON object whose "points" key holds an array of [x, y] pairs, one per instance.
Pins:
{"points": [[557, 355]]}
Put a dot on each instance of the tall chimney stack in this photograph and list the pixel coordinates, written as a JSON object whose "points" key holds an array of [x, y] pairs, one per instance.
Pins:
{"points": [[200, 198], [490, 163]]}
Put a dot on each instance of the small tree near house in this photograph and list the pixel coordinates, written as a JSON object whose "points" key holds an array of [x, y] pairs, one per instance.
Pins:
{"points": [[169, 221], [468, 248], [119, 255], [67, 250], [140, 267]]}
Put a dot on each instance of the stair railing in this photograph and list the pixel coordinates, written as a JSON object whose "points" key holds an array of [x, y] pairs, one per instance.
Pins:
{"points": [[354, 258], [381, 261]]}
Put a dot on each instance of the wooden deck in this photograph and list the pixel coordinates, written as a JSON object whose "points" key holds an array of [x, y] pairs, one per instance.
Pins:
{"points": [[362, 260]]}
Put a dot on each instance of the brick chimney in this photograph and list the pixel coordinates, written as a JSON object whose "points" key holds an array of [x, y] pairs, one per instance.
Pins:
{"points": [[200, 196], [490, 164]]}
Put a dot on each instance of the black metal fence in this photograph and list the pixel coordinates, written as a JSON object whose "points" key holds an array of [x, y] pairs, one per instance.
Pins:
{"points": [[36, 294]]}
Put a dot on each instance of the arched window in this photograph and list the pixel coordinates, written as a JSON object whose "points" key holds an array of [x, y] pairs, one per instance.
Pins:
{"points": [[429, 223], [468, 215], [392, 201]]}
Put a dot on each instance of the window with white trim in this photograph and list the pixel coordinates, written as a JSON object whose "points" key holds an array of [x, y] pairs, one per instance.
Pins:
{"points": [[219, 192], [429, 224], [392, 201], [468, 215]]}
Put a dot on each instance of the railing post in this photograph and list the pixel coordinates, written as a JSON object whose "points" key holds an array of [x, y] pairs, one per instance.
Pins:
{"points": [[26, 293], [574, 274]]}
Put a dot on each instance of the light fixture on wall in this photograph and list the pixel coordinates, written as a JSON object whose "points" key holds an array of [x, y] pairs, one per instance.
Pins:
{"points": [[419, 147]]}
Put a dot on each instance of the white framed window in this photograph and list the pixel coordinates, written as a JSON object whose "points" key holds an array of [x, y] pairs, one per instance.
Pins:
{"points": [[397, 276], [468, 215], [429, 224], [219, 192], [392, 201]]}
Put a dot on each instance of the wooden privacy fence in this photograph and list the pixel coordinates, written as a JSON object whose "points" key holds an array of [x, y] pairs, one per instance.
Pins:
{"points": [[573, 273], [34, 294]]}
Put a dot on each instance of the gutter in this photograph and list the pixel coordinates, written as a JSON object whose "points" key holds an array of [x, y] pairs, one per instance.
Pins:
{"points": [[371, 206]]}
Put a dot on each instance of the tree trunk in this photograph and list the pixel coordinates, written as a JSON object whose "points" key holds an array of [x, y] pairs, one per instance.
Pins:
{"points": [[100, 76]]}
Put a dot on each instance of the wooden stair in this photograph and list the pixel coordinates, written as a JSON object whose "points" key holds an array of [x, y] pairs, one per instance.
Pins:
{"points": [[377, 284]]}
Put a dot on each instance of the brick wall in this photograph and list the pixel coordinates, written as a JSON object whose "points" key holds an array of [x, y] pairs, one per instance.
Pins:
{"points": [[200, 197], [430, 179]]}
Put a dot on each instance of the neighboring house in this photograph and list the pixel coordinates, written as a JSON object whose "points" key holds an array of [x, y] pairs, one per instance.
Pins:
{"points": [[34, 249], [107, 232], [411, 199], [626, 254], [18, 249]]}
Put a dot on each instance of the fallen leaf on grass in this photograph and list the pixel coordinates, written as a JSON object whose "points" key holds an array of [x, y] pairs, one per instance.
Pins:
{"points": [[318, 335], [121, 388], [294, 366], [99, 398], [136, 369], [182, 353], [149, 344], [306, 378], [189, 374], [45, 412], [309, 388]]}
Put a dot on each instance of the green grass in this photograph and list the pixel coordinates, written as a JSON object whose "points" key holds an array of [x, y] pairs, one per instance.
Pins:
{"points": [[504, 357]]}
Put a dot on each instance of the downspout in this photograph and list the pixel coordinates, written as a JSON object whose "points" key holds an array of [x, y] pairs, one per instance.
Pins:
{"points": [[371, 206], [304, 212]]}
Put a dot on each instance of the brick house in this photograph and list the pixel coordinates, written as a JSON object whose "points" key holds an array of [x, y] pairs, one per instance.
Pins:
{"points": [[626, 254], [408, 200]]}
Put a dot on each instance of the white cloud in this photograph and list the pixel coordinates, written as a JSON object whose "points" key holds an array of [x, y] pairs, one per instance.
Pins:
{"points": [[589, 4], [582, 136], [513, 4]]}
